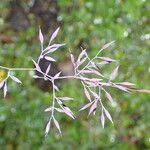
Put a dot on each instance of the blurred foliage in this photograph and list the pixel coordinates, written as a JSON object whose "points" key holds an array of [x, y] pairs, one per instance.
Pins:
{"points": [[89, 24]]}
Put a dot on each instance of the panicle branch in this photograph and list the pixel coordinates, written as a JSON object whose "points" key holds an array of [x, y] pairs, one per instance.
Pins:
{"points": [[87, 70]]}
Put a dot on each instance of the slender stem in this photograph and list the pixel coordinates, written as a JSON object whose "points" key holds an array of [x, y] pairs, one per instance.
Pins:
{"points": [[17, 69], [90, 61], [41, 46], [73, 77], [2, 67], [99, 91], [22, 69], [68, 77], [54, 98], [39, 57]]}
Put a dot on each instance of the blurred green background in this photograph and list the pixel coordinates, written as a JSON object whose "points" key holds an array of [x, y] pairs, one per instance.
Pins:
{"points": [[90, 24]]}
